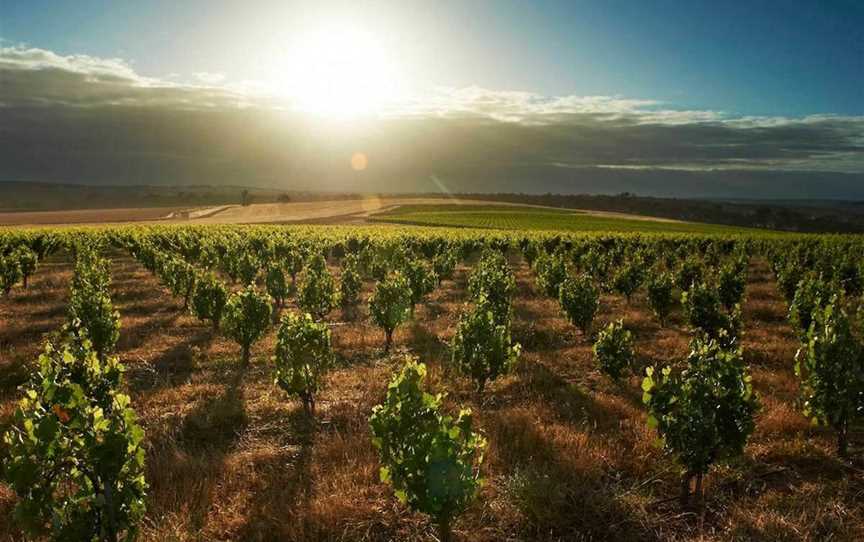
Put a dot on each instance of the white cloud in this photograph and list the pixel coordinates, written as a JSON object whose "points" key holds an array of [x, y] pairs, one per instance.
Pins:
{"points": [[611, 131]]}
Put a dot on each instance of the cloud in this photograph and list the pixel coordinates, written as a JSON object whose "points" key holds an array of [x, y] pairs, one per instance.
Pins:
{"points": [[88, 119]]}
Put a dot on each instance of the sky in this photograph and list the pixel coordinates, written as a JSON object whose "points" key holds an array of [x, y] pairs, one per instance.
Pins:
{"points": [[756, 98]]}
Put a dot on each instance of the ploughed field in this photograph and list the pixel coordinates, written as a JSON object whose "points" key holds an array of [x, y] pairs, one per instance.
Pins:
{"points": [[570, 455]]}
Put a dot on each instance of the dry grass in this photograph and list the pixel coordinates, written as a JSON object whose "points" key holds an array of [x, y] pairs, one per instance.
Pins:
{"points": [[230, 457]]}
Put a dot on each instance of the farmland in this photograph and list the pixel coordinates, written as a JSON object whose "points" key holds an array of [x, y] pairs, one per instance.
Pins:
{"points": [[229, 453], [539, 218]]}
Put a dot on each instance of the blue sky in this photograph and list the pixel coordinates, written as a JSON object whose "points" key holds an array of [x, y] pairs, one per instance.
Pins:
{"points": [[750, 58]]}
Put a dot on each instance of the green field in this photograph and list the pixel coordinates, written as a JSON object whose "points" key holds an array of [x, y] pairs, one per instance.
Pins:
{"points": [[534, 218]]}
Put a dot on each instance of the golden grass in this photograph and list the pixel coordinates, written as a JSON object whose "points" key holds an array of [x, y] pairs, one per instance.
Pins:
{"points": [[230, 457]]}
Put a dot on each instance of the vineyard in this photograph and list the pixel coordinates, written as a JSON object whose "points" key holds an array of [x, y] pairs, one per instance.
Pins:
{"points": [[414, 383], [541, 219]]}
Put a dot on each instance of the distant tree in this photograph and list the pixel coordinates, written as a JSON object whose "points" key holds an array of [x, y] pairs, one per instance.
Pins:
{"points": [[245, 198]]}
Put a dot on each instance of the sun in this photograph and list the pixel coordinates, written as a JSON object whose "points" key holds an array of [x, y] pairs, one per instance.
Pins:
{"points": [[338, 70]]}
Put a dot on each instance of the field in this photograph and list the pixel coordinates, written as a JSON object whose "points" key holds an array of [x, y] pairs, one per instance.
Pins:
{"points": [[230, 456], [422, 211], [539, 218]]}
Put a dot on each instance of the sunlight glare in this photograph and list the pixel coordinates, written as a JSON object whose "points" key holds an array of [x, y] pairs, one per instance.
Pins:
{"points": [[338, 70]]}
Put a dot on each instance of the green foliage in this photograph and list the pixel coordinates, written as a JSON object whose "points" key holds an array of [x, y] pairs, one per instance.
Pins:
{"points": [[444, 264], [246, 318], [551, 270], [613, 349], [731, 282], [27, 261], [317, 291], [245, 266], [704, 413], [579, 300], [813, 292], [180, 277], [10, 272], [90, 302], [537, 219], [430, 458], [303, 355], [596, 263], [492, 280], [389, 304], [74, 452], [276, 284], [421, 279], [350, 282], [660, 298], [691, 271], [209, 298], [831, 370], [629, 278], [788, 277], [705, 314], [482, 348], [848, 273]]}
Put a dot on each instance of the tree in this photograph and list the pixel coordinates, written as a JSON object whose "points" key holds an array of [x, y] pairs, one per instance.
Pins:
{"points": [[444, 264], [704, 313], [75, 456], [705, 412], [350, 282], [613, 349], [431, 459], [246, 317], [209, 298], [10, 273], [389, 304], [690, 272], [831, 370], [277, 286], [551, 272], [180, 277], [788, 277], [629, 278], [303, 355], [579, 301], [493, 281], [245, 266], [731, 283], [812, 292], [27, 261], [317, 291], [482, 348], [660, 298], [421, 280], [90, 307]]}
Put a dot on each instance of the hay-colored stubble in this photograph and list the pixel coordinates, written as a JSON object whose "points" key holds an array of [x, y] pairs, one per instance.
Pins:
{"points": [[231, 457]]}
